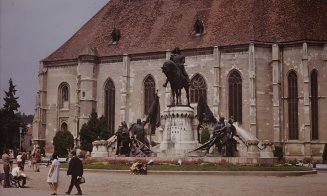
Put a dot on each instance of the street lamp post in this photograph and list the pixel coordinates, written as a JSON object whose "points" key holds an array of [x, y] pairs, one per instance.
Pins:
{"points": [[20, 138]]}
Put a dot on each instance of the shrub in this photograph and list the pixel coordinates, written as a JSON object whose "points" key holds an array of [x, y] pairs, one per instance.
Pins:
{"points": [[278, 152], [95, 129], [63, 141], [205, 136], [324, 154]]}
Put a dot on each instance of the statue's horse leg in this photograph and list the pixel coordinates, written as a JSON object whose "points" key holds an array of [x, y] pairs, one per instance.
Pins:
{"points": [[178, 96], [173, 96], [186, 87]]}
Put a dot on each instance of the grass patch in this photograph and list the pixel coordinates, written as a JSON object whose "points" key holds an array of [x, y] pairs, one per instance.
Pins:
{"points": [[200, 167]]}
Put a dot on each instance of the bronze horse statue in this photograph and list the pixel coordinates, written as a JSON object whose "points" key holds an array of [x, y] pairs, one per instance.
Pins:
{"points": [[177, 81]]}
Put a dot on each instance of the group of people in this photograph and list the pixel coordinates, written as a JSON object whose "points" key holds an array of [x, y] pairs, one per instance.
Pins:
{"points": [[75, 170], [129, 139], [225, 133], [17, 172], [222, 138]]}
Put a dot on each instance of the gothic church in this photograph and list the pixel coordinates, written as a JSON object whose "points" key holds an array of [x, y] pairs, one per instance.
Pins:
{"points": [[262, 62]]}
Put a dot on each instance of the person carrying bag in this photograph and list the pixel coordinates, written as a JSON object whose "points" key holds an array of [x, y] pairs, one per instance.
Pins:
{"points": [[75, 169]]}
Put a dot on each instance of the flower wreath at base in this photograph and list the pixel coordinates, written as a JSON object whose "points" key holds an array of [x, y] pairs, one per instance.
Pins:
{"points": [[138, 168]]}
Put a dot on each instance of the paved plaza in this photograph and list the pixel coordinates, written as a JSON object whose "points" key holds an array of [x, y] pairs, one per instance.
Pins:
{"points": [[111, 183]]}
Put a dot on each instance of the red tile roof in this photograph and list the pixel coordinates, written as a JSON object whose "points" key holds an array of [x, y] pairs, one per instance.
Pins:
{"points": [[158, 25]]}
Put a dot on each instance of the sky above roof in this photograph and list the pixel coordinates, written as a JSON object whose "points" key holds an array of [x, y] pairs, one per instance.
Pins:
{"points": [[30, 30]]}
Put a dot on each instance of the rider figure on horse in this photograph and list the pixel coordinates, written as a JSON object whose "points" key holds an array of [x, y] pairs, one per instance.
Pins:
{"points": [[179, 60]]}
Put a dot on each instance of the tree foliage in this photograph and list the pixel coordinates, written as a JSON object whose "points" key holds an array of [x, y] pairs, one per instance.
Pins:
{"points": [[63, 142], [27, 119], [96, 128], [11, 105], [205, 136], [10, 121], [278, 152]]}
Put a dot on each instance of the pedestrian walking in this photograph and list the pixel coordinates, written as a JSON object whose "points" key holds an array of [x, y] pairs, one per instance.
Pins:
{"points": [[6, 167], [24, 158], [36, 159], [53, 175], [75, 169]]}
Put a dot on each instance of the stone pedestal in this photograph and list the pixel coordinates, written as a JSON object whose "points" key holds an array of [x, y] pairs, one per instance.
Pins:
{"points": [[178, 136], [267, 151], [253, 150], [100, 148]]}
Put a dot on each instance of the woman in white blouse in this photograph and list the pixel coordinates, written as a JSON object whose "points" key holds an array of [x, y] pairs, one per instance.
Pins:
{"points": [[53, 175]]}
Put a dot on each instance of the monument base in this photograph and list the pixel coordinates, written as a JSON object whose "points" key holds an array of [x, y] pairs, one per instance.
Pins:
{"points": [[100, 148], [178, 135]]}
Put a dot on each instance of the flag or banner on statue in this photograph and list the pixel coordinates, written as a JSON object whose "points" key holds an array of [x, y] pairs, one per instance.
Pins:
{"points": [[154, 114]]}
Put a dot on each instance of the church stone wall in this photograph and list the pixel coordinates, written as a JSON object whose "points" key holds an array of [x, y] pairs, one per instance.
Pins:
{"points": [[104, 72], [317, 59], [238, 60], [303, 59], [203, 65], [54, 115], [139, 70], [129, 72], [264, 93]]}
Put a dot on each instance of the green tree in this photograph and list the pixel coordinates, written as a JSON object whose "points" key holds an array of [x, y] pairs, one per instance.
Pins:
{"points": [[278, 152], [96, 128], [10, 121], [205, 136], [63, 141]]}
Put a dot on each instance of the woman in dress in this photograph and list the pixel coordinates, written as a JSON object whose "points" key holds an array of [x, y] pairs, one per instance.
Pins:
{"points": [[53, 175]]}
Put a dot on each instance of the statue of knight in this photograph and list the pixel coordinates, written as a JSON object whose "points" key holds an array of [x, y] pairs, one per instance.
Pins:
{"points": [[179, 59]]}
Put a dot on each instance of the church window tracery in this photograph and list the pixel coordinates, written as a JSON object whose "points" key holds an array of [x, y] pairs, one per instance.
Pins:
{"points": [[198, 87], [235, 96], [149, 92], [292, 105], [314, 105], [64, 95], [110, 105]]}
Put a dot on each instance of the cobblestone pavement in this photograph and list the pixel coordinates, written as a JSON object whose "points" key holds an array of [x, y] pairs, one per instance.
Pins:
{"points": [[108, 183]]}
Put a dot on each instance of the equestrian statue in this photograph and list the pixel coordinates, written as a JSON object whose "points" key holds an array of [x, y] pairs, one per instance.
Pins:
{"points": [[177, 77]]}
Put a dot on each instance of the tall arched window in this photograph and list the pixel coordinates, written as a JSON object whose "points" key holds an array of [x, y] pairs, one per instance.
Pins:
{"points": [[292, 105], [314, 105], [149, 92], [64, 127], [63, 95], [235, 96], [198, 87], [110, 105]]}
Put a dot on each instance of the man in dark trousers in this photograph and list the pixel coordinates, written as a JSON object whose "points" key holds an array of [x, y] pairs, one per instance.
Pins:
{"points": [[6, 167], [75, 169]]}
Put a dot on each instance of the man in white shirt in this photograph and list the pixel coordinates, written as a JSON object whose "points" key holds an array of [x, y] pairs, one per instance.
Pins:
{"points": [[19, 159], [18, 175]]}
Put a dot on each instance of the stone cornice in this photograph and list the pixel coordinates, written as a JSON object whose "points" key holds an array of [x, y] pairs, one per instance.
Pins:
{"points": [[178, 112], [187, 52], [88, 59], [148, 56], [111, 59], [58, 63]]}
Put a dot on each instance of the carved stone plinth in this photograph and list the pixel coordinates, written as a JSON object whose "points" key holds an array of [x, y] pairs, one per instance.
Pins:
{"points": [[100, 148], [267, 151], [178, 135], [253, 150]]}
